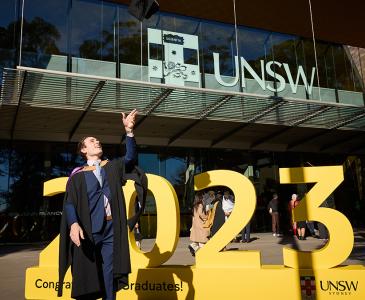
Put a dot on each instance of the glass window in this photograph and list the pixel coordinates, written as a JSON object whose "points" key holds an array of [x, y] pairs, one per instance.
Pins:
{"points": [[220, 39], [348, 79], [256, 51], [108, 41], [283, 52], [307, 59], [44, 43], [4, 178], [326, 72], [8, 38], [94, 37], [219, 53], [343, 72], [129, 46], [26, 177], [149, 162], [354, 56]]}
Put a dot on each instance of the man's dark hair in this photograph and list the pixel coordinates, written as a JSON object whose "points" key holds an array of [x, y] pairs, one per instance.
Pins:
{"points": [[81, 145]]}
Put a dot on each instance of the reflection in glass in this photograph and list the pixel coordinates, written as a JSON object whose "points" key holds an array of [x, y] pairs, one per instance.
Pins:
{"points": [[4, 178], [8, 33], [108, 41], [44, 42], [94, 37]]}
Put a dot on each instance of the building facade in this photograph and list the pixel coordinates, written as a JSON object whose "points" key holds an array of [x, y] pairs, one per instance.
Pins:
{"points": [[217, 88]]}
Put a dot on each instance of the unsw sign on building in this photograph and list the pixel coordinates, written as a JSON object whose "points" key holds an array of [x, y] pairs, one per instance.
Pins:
{"points": [[173, 58]]}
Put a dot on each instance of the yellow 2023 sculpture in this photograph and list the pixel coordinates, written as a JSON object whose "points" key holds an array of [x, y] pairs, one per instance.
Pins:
{"points": [[227, 274]]}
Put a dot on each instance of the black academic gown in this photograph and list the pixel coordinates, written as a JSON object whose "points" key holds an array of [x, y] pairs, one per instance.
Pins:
{"points": [[86, 278]]}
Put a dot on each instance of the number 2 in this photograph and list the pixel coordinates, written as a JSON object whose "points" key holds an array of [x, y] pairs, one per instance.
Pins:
{"points": [[245, 203]]}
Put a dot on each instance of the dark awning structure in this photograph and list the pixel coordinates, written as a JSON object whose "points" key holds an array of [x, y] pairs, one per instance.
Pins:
{"points": [[39, 104], [333, 21]]}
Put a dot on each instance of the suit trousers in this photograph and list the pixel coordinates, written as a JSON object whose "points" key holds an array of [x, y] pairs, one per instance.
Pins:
{"points": [[104, 251], [275, 224]]}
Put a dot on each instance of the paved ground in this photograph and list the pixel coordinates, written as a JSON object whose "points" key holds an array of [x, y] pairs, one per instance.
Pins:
{"points": [[14, 259]]}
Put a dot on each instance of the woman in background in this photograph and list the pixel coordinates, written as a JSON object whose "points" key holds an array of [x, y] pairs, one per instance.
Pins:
{"points": [[299, 226], [199, 233]]}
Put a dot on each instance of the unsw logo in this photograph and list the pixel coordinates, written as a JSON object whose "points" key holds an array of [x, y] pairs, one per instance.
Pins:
{"points": [[339, 287], [173, 58]]}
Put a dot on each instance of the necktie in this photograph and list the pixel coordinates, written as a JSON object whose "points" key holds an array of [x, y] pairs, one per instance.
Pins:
{"points": [[100, 179], [98, 173]]}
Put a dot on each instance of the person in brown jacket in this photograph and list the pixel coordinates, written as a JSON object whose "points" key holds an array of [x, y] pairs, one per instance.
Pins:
{"points": [[198, 234]]}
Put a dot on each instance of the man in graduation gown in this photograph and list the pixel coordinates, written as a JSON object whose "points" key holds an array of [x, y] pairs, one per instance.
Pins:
{"points": [[94, 232]]}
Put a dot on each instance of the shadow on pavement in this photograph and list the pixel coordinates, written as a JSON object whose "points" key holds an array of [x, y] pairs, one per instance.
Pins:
{"points": [[6, 249]]}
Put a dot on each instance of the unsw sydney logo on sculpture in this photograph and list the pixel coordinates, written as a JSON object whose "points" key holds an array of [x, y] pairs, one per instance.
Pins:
{"points": [[339, 287], [332, 287], [174, 58]]}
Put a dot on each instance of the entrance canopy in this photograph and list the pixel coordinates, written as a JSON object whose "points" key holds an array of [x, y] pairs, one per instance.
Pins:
{"points": [[39, 104]]}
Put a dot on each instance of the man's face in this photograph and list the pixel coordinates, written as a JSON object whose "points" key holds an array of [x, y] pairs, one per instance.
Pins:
{"points": [[92, 147], [226, 195]]}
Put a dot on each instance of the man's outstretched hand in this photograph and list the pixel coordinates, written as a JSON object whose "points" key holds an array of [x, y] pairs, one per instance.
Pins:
{"points": [[129, 121]]}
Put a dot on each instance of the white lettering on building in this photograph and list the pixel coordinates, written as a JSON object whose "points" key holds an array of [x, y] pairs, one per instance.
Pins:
{"points": [[280, 82]]}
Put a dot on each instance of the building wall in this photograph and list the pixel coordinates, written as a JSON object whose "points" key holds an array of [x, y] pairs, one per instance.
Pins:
{"points": [[101, 38], [107, 41]]}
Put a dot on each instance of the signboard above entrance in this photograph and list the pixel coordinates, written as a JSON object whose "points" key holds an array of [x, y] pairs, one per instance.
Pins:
{"points": [[173, 58]]}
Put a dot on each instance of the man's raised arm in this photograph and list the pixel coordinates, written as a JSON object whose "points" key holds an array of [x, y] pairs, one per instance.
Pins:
{"points": [[131, 147]]}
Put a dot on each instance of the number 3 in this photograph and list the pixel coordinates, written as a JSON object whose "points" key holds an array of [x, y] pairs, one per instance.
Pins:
{"points": [[341, 235]]}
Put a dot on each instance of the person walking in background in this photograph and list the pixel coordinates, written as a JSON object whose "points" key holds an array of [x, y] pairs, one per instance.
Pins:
{"points": [[210, 204], [300, 225], [219, 216], [227, 204], [292, 204], [208, 200], [137, 228], [273, 208], [199, 233], [245, 233], [310, 226]]}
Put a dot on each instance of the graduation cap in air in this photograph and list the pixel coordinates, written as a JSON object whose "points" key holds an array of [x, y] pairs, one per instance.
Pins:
{"points": [[143, 9]]}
